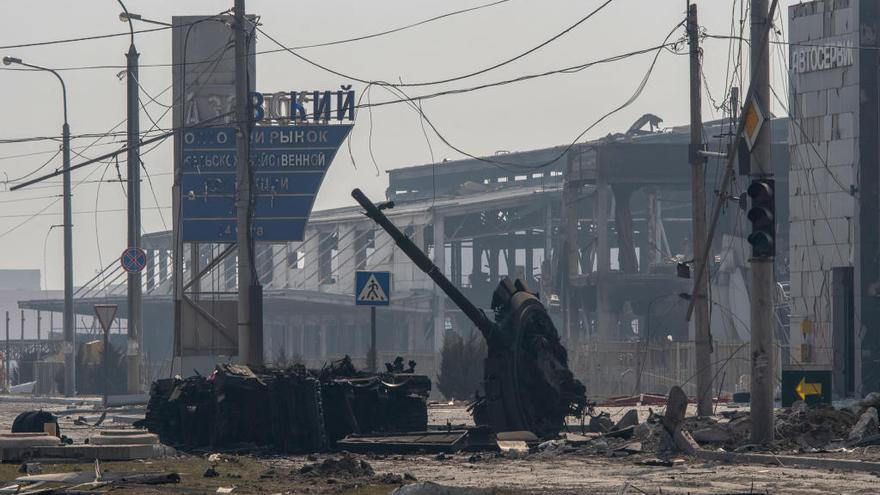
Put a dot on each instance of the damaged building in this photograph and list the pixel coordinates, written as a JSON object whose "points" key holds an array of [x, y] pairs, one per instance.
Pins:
{"points": [[612, 286]]}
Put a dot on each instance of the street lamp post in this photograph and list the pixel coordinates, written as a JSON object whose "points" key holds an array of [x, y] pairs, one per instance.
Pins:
{"points": [[68, 321], [135, 289]]}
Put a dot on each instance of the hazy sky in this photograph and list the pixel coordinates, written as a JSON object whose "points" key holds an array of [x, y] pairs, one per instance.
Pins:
{"points": [[533, 114]]}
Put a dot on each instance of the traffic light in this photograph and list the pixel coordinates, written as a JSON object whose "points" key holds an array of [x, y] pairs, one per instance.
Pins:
{"points": [[761, 214]]}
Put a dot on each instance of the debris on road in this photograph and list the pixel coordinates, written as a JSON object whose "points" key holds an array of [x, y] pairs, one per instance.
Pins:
{"points": [[430, 488], [866, 425]]}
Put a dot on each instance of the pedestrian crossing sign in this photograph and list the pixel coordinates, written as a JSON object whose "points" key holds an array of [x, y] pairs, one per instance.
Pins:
{"points": [[372, 288]]}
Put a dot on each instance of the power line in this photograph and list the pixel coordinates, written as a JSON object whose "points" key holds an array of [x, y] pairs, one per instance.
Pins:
{"points": [[84, 38], [112, 35], [565, 70], [502, 164], [46, 152], [300, 47], [220, 53], [83, 212], [449, 79], [394, 30]]}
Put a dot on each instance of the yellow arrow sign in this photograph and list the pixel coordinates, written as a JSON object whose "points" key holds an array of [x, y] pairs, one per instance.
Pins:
{"points": [[804, 389]]}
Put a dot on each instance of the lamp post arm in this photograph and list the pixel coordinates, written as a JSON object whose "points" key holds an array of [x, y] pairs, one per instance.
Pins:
{"points": [[56, 74]]}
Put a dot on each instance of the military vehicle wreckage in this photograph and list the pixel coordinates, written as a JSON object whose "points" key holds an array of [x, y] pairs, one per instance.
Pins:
{"points": [[527, 382], [528, 385]]}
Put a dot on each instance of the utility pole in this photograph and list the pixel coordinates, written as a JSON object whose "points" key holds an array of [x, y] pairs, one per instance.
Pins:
{"points": [[133, 160], [761, 267], [68, 322], [6, 357], [702, 337], [250, 293], [39, 338]]}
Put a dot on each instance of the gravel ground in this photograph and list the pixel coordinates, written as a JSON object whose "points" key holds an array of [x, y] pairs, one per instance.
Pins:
{"points": [[578, 471]]}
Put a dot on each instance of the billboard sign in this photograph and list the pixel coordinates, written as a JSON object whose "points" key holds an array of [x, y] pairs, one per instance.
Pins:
{"points": [[288, 163]]}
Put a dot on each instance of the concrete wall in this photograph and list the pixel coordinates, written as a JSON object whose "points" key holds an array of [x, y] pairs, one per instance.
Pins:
{"points": [[824, 143]]}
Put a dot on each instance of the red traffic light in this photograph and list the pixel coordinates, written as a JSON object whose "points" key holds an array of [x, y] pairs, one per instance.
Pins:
{"points": [[760, 190]]}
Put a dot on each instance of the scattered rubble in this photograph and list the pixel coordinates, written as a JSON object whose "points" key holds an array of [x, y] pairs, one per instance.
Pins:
{"points": [[346, 466], [631, 418], [429, 488], [866, 425], [601, 423]]}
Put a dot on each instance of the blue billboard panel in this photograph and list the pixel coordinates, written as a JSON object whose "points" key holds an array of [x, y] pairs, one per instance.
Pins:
{"points": [[264, 229], [288, 165]]}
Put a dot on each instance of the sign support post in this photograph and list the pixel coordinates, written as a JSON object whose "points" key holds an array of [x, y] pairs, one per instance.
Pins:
{"points": [[372, 359], [372, 289], [133, 261], [249, 332], [105, 314]]}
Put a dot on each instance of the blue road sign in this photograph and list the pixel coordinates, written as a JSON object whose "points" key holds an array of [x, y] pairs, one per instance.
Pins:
{"points": [[133, 260], [288, 164], [372, 288]]}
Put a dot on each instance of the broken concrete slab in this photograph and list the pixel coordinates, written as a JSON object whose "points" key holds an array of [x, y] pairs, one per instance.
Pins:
{"points": [[631, 418], [522, 436], [80, 477], [513, 448], [625, 433], [685, 442], [578, 439], [87, 452], [871, 400], [866, 425], [601, 423], [676, 408], [124, 437], [711, 435], [427, 441], [788, 460], [630, 448]]}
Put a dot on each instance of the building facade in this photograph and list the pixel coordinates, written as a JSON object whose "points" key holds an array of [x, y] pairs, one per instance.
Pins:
{"points": [[833, 203]]}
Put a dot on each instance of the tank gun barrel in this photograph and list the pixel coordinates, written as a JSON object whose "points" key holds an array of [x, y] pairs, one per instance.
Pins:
{"points": [[421, 260]]}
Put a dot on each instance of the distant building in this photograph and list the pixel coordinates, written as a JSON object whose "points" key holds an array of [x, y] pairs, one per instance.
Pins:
{"points": [[834, 209], [24, 279], [17, 285]]}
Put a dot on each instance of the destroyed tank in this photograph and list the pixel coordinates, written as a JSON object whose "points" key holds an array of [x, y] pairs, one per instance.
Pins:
{"points": [[527, 381]]}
